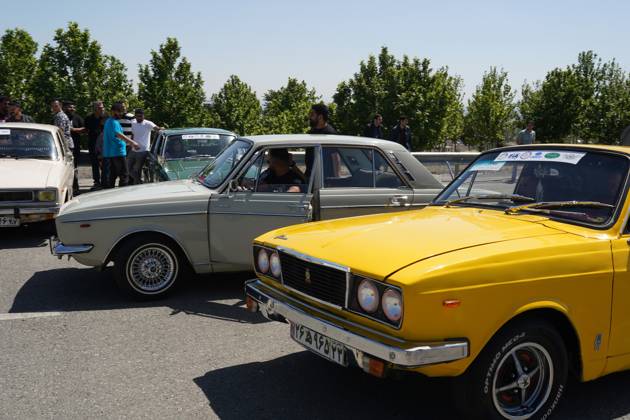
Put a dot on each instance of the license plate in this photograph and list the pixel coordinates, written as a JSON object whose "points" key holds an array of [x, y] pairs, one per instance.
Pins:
{"points": [[324, 346], [9, 221]]}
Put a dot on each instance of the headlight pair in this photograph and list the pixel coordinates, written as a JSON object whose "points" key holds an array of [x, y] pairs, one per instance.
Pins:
{"points": [[379, 301], [268, 262]]}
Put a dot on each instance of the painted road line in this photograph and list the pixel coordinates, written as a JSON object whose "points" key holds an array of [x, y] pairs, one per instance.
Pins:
{"points": [[27, 315]]}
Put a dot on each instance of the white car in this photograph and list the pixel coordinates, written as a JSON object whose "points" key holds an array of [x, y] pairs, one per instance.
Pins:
{"points": [[36, 173]]}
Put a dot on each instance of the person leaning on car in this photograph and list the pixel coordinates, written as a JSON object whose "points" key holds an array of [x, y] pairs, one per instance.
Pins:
{"points": [[141, 129], [114, 147], [281, 175]]}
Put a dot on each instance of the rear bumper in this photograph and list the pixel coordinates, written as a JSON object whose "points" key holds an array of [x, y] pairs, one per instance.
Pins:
{"points": [[58, 249], [403, 355]]}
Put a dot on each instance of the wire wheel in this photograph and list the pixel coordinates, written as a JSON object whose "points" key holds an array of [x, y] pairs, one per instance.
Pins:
{"points": [[523, 381], [152, 268]]}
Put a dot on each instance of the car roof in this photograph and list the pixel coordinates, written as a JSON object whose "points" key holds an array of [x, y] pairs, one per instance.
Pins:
{"points": [[32, 126], [593, 147], [324, 139], [187, 130]]}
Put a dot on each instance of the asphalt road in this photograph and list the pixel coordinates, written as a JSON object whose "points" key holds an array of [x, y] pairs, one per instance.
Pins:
{"points": [[72, 347]]}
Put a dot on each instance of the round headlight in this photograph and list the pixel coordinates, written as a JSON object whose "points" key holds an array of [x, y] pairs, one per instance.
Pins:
{"points": [[367, 295], [274, 262], [392, 305], [263, 261]]}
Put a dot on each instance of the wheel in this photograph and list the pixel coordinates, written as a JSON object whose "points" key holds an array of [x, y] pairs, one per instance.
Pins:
{"points": [[521, 374], [148, 266]]}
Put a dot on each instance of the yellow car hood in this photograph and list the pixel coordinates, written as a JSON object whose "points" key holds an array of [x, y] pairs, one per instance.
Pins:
{"points": [[379, 245]]}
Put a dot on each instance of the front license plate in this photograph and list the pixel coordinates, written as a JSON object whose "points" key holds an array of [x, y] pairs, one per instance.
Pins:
{"points": [[9, 221], [324, 346]]}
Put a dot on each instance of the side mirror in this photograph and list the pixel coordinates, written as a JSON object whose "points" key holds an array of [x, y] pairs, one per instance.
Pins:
{"points": [[232, 186]]}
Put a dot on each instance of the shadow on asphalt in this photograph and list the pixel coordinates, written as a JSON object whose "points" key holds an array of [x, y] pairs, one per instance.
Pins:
{"points": [[87, 289], [303, 386], [27, 236]]}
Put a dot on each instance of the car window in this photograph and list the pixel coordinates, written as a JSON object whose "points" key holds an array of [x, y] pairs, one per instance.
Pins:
{"points": [[354, 167], [278, 169], [195, 145], [218, 171]]}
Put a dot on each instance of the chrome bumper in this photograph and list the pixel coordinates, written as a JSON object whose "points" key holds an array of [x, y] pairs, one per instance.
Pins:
{"points": [[413, 355], [59, 250], [29, 210]]}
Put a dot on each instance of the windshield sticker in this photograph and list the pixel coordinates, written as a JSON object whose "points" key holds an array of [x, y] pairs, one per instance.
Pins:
{"points": [[5, 132], [487, 165], [540, 156], [200, 136]]}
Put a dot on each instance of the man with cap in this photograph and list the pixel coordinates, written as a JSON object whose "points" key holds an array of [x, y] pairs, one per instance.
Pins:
{"points": [[141, 129], [16, 115], [281, 175]]}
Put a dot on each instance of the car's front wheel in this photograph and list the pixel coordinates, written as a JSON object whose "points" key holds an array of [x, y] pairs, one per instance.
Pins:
{"points": [[521, 374], [148, 266]]}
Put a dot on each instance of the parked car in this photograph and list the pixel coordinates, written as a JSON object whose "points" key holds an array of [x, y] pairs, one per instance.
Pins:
{"points": [[36, 173], [445, 166], [510, 291], [180, 153], [152, 232]]}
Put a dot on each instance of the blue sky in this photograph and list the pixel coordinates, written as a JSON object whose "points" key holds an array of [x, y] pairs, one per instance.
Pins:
{"points": [[323, 41]]}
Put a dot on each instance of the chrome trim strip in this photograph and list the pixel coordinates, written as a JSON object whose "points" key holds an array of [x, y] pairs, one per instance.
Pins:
{"points": [[300, 216], [313, 260], [323, 302], [30, 210], [418, 354], [135, 216]]}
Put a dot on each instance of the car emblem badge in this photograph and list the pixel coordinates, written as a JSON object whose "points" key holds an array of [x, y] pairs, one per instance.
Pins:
{"points": [[307, 276]]}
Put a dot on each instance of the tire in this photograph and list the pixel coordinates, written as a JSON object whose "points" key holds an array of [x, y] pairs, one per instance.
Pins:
{"points": [[148, 267], [494, 386]]}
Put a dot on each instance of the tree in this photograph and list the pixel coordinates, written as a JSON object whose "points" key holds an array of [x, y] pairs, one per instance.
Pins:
{"points": [[17, 65], [172, 93], [286, 109], [430, 99], [491, 111], [236, 107], [74, 68]]}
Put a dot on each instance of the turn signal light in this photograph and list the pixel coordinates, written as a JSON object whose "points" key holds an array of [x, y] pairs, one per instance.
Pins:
{"points": [[374, 367], [251, 304], [452, 303]]}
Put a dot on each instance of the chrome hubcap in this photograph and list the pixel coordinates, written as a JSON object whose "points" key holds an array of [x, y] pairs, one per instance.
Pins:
{"points": [[152, 268], [523, 381]]}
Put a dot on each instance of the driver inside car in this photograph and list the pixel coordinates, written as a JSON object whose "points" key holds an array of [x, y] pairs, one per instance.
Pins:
{"points": [[282, 175]]}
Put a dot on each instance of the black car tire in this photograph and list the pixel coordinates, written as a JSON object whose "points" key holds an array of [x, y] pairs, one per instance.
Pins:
{"points": [[494, 385]]}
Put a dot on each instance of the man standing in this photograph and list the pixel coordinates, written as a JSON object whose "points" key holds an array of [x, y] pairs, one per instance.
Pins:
{"points": [[60, 119], [77, 127], [114, 150], [528, 135], [94, 126], [141, 129], [318, 120], [4, 108], [375, 128], [401, 133], [15, 113]]}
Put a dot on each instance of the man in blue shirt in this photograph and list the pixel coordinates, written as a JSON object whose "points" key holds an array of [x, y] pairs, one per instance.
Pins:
{"points": [[114, 147]]}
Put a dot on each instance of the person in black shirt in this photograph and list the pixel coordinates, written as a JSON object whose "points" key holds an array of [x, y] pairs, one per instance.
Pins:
{"points": [[281, 176], [401, 133], [15, 113], [94, 126], [375, 128], [318, 120]]}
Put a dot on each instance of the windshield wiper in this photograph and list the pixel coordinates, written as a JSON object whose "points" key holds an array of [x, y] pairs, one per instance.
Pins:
{"points": [[558, 204], [513, 197], [199, 156]]}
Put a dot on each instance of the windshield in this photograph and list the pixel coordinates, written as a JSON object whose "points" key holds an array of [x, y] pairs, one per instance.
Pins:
{"points": [[445, 166], [27, 144], [199, 145], [217, 172], [578, 185]]}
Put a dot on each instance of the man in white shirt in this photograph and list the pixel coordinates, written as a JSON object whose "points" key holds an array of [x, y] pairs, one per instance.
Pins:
{"points": [[141, 129]]}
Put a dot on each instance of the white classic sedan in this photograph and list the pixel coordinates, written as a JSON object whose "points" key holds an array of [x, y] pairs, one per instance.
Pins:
{"points": [[36, 173]]}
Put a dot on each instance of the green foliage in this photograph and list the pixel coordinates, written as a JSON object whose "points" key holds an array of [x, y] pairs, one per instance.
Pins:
{"points": [[171, 92], [237, 108], [74, 68], [286, 109], [432, 100], [491, 111], [17, 65], [588, 100]]}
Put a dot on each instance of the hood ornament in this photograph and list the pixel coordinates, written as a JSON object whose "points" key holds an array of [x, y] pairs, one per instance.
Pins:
{"points": [[283, 237]]}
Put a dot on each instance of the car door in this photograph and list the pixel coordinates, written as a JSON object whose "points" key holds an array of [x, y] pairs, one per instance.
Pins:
{"points": [[360, 180], [245, 211], [620, 319]]}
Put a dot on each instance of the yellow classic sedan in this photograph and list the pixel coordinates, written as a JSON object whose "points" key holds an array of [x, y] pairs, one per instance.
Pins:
{"points": [[513, 279]]}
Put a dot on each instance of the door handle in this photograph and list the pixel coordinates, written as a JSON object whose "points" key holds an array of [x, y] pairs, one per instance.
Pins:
{"points": [[300, 206], [399, 201]]}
